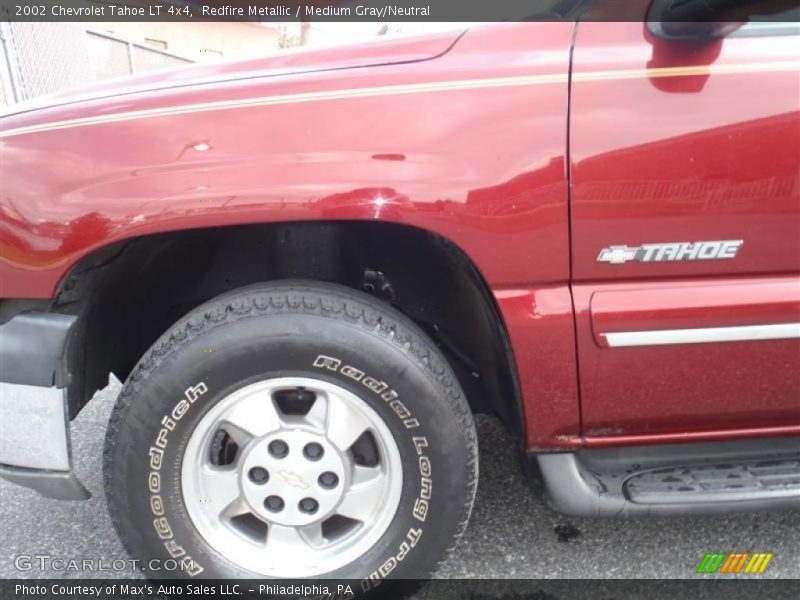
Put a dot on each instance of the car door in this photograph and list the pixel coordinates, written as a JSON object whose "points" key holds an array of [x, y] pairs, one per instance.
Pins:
{"points": [[685, 225]]}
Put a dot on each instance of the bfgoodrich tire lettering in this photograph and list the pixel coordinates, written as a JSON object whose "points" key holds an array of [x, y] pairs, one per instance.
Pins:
{"points": [[275, 332]]}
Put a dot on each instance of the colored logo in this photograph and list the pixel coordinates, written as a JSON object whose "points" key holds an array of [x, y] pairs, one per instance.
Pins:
{"points": [[735, 562]]}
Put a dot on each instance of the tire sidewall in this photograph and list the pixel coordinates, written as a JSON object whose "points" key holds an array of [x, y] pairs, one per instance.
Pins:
{"points": [[169, 401]]}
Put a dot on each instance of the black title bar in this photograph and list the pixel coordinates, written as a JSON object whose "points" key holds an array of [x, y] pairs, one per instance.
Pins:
{"points": [[392, 11]]}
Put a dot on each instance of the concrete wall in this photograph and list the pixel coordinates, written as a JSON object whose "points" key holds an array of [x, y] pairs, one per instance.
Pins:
{"points": [[200, 41]]}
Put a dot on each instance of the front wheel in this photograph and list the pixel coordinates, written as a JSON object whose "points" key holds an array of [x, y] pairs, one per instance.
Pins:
{"points": [[292, 430]]}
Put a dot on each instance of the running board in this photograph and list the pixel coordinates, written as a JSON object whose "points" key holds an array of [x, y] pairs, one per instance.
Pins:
{"points": [[676, 479]]}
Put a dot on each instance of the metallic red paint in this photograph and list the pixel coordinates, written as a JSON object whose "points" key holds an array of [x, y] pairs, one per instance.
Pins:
{"points": [[691, 304], [381, 52], [480, 167], [687, 388], [433, 134], [541, 327], [687, 437], [671, 159]]}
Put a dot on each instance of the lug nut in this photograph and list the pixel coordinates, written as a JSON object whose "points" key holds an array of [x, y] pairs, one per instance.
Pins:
{"points": [[313, 451], [308, 505], [258, 475], [328, 480], [273, 503], [278, 448]]}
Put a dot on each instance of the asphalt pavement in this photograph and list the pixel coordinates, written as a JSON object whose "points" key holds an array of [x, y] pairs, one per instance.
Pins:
{"points": [[512, 533]]}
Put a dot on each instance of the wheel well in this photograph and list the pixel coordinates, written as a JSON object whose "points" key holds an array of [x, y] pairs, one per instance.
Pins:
{"points": [[129, 293]]}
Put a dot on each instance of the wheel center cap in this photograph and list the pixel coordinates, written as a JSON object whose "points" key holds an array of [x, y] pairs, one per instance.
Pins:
{"points": [[293, 477]]}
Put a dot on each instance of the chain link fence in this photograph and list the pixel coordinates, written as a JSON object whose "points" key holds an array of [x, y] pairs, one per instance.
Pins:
{"points": [[43, 58]]}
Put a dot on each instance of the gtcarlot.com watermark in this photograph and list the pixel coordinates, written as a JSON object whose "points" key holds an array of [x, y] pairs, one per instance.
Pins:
{"points": [[48, 562]]}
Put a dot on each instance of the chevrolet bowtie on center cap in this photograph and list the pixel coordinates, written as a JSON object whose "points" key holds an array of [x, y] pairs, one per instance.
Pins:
{"points": [[311, 270]]}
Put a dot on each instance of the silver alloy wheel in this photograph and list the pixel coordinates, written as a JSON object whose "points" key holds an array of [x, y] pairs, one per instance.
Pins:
{"points": [[291, 477]]}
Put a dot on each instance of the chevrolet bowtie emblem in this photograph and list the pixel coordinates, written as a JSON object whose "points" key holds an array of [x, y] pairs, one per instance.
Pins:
{"points": [[671, 251], [617, 254], [293, 479]]}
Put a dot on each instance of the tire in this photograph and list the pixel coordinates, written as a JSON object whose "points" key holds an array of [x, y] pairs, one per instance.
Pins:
{"points": [[215, 397]]}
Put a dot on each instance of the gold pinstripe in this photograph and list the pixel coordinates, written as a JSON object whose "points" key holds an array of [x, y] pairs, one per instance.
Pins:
{"points": [[416, 88], [767, 67]]}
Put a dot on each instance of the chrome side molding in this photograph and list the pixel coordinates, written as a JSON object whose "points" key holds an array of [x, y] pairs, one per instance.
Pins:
{"points": [[705, 335]]}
